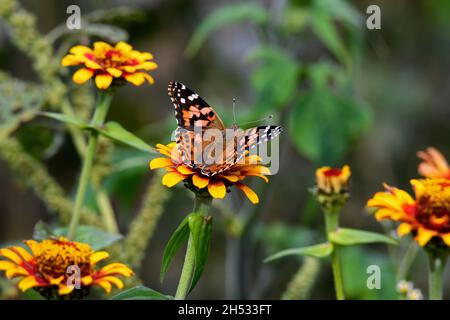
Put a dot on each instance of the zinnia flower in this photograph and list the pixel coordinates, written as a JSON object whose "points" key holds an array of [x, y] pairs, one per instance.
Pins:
{"points": [[333, 180], [434, 164], [216, 186], [106, 63], [45, 267], [427, 216]]}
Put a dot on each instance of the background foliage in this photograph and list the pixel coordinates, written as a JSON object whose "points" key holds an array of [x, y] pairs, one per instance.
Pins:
{"points": [[345, 94]]}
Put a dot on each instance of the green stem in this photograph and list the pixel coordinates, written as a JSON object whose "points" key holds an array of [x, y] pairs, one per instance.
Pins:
{"points": [[100, 113], [332, 223], [201, 205], [435, 275], [407, 261]]}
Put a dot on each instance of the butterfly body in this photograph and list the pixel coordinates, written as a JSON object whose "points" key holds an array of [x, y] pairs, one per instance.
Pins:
{"points": [[197, 120]]}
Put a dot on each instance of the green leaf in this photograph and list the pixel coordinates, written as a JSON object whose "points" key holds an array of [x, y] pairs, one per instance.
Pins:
{"points": [[274, 64], [318, 251], [325, 123], [200, 227], [179, 237], [226, 15], [95, 237], [115, 131], [141, 293], [72, 120], [349, 237]]}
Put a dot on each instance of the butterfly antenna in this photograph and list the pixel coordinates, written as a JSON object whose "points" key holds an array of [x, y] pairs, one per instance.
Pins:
{"points": [[270, 116]]}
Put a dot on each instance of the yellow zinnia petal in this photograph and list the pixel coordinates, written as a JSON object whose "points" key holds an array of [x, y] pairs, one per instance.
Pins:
{"points": [[70, 60], [116, 73], [251, 195], [136, 78], [82, 75], [123, 47], [105, 285], [172, 178], [217, 189], [158, 163], [446, 238], [11, 255], [424, 236], [65, 290], [114, 280], [80, 50], [184, 170], [16, 271], [27, 283], [101, 47], [98, 256], [103, 81], [148, 65], [404, 229], [199, 181]]}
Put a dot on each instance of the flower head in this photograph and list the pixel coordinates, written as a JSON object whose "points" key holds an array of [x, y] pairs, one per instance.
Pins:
{"points": [[215, 186], [427, 216], [107, 64], [49, 267], [434, 164], [333, 180], [332, 186]]}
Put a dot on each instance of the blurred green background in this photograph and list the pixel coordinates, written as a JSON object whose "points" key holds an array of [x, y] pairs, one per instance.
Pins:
{"points": [[345, 95]]}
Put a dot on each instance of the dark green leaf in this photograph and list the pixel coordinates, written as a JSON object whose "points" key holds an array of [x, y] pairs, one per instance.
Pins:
{"points": [[275, 79], [349, 237], [200, 227], [318, 251], [324, 124], [115, 131], [95, 237], [141, 293], [226, 15], [179, 237]]}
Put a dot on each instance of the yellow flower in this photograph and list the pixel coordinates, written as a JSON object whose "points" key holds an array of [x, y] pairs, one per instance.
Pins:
{"points": [[332, 180], [427, 216], [45, 267], [434, 164], [216, 186], [106, 63]]}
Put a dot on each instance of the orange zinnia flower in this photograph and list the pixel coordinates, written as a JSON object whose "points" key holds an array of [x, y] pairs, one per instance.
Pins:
{"points": [[45, 267], [434, 164], [215, 186], [106, 63], [426, 217]]}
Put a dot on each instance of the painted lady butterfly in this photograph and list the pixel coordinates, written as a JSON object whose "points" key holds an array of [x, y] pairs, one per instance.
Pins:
{"points": [[195, 117]]}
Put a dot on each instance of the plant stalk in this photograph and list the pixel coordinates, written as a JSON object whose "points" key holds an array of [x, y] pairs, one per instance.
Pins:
{"points": [[437, 263], [201, 205], [332, 223], [101, 110]]}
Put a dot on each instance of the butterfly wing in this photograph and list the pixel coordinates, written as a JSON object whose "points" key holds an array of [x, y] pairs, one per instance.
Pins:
{"points": [[191, 110], [244, 141]]}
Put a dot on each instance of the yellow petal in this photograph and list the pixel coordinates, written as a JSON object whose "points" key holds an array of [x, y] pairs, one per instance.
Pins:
{"points": [[98, 256], [148, 78], [404, 229], [101, 47], [105, 285], [217, 189], [56, 281], [114, 280], [70, 60], [199, 181], [424, 236], [184, 170], [145, 56], [33, 245], [87, 280], [148, 65], [64, 289], [80, 50], [16, 271], [172, 178], [27, 283], [11, 255], [82, 75], [123, 47], [446, 238], [116, 268], [136, 78], [158, 163], [6, 265], [251, 195], [116, 73], [231, 178], [103, 81]]}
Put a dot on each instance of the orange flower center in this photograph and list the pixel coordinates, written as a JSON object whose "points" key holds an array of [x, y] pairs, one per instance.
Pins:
{"points": [[111, 59], [53, 257], [433, 205]]}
